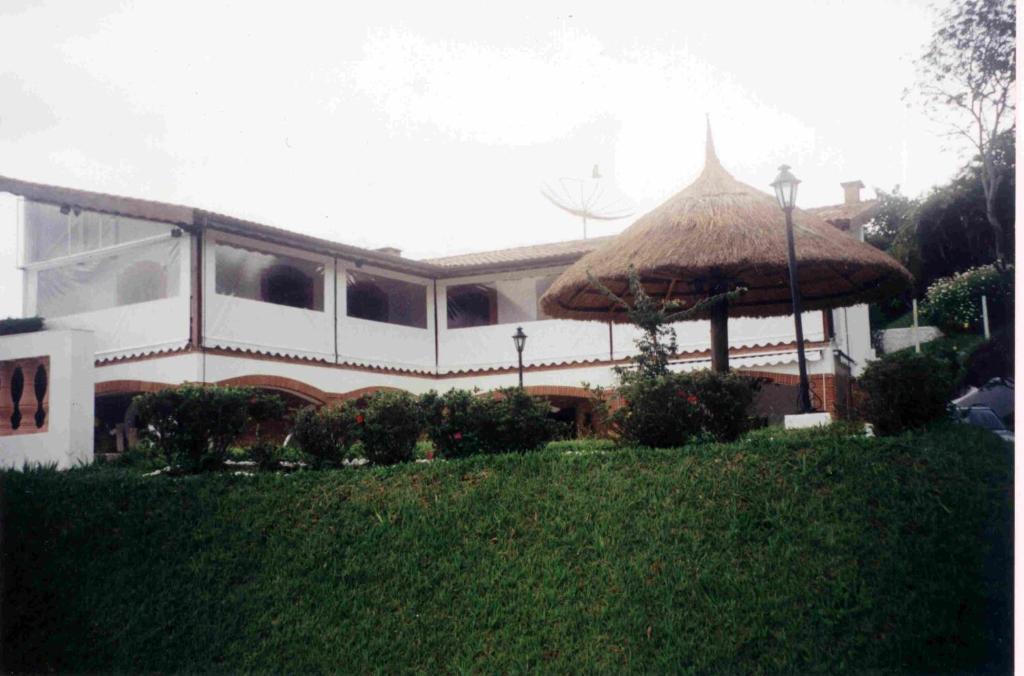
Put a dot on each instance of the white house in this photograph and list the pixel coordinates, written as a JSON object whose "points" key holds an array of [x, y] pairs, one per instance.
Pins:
{"points": [[174, 294]]}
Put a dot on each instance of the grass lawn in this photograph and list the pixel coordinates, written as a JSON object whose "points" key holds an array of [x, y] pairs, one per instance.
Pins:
{"points": [[799, 551]]}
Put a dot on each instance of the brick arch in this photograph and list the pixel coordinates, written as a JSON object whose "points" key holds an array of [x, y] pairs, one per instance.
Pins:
{"points": [[558, 391], [365, 391], [291, 386], [547, 391], [129, 387]]}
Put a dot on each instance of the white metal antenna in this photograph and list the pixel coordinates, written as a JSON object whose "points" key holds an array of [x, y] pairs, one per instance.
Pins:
{"points": [[586, 198]]}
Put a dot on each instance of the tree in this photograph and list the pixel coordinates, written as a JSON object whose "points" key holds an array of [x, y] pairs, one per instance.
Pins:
{"points": [[946, 231], [968, 77], [654, 317]]}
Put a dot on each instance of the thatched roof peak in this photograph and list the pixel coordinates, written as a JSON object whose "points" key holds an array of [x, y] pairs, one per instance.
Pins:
{"points": [[720, 232], [711, 162]]}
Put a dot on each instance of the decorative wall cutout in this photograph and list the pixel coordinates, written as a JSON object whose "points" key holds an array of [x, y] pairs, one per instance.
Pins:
{"points": [[24, 406]]}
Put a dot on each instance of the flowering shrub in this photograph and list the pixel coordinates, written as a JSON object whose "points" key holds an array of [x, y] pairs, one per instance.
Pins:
{"points": [[456, 422], [954, 303], [389, 427], [674, 408], [460, 424], [193, 425], [905, 390], [325, 433]]}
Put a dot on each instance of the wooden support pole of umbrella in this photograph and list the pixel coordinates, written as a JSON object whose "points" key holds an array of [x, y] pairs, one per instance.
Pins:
{"points": [[720, 336]]}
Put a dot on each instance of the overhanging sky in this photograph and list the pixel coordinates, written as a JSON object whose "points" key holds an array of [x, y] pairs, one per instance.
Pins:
{"points": [[431, 126]]}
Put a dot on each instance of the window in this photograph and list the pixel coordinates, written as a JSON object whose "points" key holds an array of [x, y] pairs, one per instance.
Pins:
{"points": [[141, 281], [270, 278], [384, 299], [140, 274], [472, 305], [52, 231]]}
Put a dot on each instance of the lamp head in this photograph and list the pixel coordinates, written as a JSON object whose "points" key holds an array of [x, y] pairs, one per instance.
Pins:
{"points": [[785, 185]]}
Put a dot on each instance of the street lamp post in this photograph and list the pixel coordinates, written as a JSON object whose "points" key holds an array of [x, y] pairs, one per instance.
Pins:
{"points": [[785, 185], [519, 338]]}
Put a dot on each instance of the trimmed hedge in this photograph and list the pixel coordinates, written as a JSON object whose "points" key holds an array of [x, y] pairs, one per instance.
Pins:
{"points": [[676, 408], [460, 423], [13, 325], [193, 425], [809, 552], [325, 433], [389, 427], [906, 390]]}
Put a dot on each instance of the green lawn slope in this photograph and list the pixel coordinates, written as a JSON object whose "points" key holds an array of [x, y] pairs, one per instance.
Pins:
{"points": [[808, 551]]}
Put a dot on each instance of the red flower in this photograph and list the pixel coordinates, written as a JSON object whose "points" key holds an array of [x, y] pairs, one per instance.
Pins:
{"points": [[458, 436], [360, 419], [692, 399]]}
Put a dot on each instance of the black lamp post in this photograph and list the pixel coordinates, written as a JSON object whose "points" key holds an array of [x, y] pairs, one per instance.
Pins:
{"points": [[519, 338], [785, 185]]}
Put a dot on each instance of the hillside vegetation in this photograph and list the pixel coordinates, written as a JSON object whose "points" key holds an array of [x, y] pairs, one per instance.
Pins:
{"points": [[801, 551]]}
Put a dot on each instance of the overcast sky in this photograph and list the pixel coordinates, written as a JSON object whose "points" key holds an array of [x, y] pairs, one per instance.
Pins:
{"points": [[431, 126]]}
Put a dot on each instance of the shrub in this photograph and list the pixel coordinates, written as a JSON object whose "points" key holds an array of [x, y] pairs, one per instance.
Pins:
{"points": [[266, 454], [519, 422], [993, 359], [457, 422], [143, 455], [460, 424], [193, 425], [13, 325], [954, 303], [906, 390], [325, 433], [674, 408], [390, 427]]}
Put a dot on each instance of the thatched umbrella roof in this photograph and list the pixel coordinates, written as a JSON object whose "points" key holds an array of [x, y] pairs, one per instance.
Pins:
{"points": [[720, 234]]}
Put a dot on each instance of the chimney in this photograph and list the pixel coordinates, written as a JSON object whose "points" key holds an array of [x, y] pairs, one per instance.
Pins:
{"points": [[390, 250], [851, 191]]}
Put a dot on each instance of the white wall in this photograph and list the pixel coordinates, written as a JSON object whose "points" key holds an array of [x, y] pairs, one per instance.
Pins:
{"points": [[138, 328], [172, 369], [743, 332], [175, 369], [549, 341], [68, 439], [241, 323], [853, 335]]}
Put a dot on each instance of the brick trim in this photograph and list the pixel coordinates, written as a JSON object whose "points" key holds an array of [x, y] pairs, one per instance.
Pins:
{"points": [[129, 387], [557, 391], [289, 385], [365, 391]]}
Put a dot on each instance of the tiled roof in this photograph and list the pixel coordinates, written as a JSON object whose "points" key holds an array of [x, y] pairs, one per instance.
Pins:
{"points": [[191, 218], [572, 248], [555, 253], [845, 215]]}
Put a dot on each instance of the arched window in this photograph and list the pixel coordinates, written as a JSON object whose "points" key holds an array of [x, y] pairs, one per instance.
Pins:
{"points": [[284, 284], [140, 282], [472, 305], [385, 299], [366, 300]]}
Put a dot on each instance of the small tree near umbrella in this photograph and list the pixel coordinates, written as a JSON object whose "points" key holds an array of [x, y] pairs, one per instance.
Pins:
{"points": [[654, 317]]}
